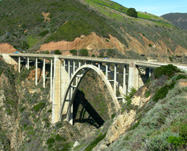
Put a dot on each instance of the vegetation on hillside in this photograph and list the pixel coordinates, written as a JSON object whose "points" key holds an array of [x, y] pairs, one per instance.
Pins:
{"points": [[22, 23], [177, 19]]}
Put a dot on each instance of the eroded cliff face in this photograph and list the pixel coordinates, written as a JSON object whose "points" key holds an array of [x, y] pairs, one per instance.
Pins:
{"points": [[159, 50], [25, 113], [26, 110]]}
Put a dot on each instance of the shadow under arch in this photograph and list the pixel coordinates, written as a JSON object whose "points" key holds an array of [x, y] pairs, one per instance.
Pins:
{"points": [[83, 70]]}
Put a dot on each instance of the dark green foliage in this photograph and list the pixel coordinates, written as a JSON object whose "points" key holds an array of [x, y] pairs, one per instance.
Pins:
{"points": [[50, 141], [176, 141], [22, 109], [183, 131], [161, 93], [46, 52], [132, 12], [24, 45], [147, 94], [128, 106], [43, 33], [135, 125], [74, 52], [57, 52], [129, 96], [60, 138], [95, 142], [168, 70], [39, 106], [181, 76], [83, 52], [59, 124], [177, 19]]}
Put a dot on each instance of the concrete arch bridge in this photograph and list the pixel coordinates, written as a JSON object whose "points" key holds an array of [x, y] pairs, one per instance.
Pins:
{"points": [[66, 73]]}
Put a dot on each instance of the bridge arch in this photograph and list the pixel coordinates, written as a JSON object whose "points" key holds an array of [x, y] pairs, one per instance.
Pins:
{"points": [[72, 89]]}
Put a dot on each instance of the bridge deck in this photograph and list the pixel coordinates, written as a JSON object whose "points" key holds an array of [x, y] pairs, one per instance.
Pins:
{"points": [[103, 60]]}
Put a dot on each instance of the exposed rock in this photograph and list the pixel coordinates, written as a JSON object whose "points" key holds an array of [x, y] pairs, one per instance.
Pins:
{"points": [[6, 48]]}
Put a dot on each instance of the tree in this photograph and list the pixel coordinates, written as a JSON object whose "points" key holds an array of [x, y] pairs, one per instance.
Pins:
{"points": [[57, 52], [132, 12]]}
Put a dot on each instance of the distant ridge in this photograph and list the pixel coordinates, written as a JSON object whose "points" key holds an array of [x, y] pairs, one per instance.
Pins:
{"points": [[177, 19]]}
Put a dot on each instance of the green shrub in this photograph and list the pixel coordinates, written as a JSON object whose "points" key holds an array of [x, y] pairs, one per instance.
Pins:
{"points": [[130, 94], [183, 131], [161, 93], [132, 12], [59, 138], [43, 33], [59, 124], [181, 76], [176, 141], [83, 52], [95, 142], [39, 106], [168, 70], [74, 52], [46, 52], [147, 94], [50, 141], [24, 45], [57, 52]]}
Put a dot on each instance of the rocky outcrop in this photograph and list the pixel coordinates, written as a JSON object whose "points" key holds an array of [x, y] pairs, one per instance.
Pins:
{"points": [[6, 48]]}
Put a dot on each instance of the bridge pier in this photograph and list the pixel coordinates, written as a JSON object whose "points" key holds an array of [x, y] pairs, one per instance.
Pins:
{"points": [[56, 91], [27, 63], [133, 77], [19, 64], [44, 73], [36, 71], [124, 81], [51, 81]]}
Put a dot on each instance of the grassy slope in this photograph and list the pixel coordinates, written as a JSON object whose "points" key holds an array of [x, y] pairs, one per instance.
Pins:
{"points": [[28, 15], [70, 19], [161, 123], [152, 27], [178, 19]]}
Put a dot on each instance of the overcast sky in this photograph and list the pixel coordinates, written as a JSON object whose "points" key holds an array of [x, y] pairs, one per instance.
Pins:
{"points": [[156, 7]]}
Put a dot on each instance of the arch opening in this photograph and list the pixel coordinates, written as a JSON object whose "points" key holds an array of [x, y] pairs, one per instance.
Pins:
{"points": [[76, 97]]}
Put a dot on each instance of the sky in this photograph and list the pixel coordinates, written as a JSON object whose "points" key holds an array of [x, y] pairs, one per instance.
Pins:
{"points": [[156, 7]]}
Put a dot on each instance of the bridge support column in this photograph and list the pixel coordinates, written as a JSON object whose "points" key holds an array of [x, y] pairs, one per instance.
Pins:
{"points": [[106, 71], [124, 82], [64, 84], [36, 71], [51, 81], [27, 65], [43, 73], [115, 78], [133, 77], [148, 72], [19, 64], [56, 91]]}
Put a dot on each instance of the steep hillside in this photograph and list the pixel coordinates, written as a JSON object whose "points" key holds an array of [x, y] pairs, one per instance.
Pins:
{"points": [[177, 19], [153, 118], [31, 26]]}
